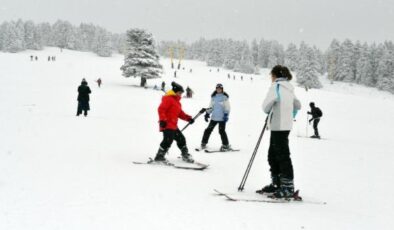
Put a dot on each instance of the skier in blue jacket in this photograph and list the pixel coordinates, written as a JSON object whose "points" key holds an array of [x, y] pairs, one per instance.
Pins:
{"points": [[218, 112]]}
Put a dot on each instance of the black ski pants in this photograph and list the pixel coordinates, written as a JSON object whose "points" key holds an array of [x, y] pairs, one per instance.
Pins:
{"points": [[315, 124], [279, 155], [222, 132], [169, 136]]}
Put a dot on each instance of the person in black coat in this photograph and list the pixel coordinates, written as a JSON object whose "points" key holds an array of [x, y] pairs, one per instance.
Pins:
{"points": [[83, 98], [316, 115]]}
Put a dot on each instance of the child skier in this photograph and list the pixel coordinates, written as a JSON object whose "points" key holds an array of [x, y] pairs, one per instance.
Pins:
{"points": [[220, 109], [169, 111]]}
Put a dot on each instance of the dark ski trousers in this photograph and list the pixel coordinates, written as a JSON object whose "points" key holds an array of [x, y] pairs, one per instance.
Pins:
{"points": [[315, 124], [169, 136], [222, 132], [279, 155]]}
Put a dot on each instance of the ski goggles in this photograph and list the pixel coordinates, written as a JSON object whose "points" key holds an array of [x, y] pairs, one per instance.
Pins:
{"points": [[219, 86]]}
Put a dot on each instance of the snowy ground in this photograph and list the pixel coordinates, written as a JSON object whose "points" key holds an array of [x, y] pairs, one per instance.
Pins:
{"points": [[59, 171]]}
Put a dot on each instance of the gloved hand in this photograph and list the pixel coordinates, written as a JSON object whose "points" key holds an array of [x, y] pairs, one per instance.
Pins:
{"points": [[191, 121], [163, 124], [206, 117], [225, 117], [203, 110]]}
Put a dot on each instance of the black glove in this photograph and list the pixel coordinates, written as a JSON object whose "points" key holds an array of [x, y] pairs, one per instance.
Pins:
{"points": [[203, 110], [191, 121], [163, 124], [206, 117]]}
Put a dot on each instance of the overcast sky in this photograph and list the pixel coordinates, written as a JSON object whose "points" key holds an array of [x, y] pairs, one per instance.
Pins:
{"points": [[314, 21]]}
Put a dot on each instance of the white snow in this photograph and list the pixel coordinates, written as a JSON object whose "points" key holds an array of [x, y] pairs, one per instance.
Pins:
{"points": [[59, 171]]}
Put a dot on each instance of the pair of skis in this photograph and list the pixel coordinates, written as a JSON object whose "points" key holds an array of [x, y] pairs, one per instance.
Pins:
{"points": [[175, 164], [216, 150], [264, 198]]}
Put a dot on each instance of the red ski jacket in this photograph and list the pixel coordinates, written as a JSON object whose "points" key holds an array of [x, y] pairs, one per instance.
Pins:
{"points": [[170, 109]]}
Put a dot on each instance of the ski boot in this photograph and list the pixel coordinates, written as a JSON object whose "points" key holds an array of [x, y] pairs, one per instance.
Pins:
{"points": [[271, 188], [160, 156], [225, 148], [203, 146], [315, 136], [186, 156], [286, 189]]}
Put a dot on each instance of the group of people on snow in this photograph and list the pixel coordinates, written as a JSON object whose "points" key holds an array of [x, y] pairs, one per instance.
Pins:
{"points": [[281, 105]]}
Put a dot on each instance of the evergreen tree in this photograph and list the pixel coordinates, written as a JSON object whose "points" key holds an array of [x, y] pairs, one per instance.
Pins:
{"points": [[332, 60], [291, 57], [102, 43], [141, 59], [307, 75], [385, 70], [364, 72], [345, 63]]}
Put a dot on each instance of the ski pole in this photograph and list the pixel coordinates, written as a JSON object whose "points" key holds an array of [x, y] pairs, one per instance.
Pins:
{"points": [[245, 177], [195, 117]]}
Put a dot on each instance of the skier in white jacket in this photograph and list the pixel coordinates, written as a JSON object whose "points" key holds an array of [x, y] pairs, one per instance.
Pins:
{"points": [[281, 105]]}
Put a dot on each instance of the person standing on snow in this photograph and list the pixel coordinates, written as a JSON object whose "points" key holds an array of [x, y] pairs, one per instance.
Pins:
{"points": [[316, 115], [99, 81], [83, 98], [281, 105], [219, 109], [169, 111]]}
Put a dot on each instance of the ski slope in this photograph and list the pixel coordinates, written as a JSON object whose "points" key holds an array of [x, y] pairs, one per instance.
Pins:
{"points": [[59, 171]]}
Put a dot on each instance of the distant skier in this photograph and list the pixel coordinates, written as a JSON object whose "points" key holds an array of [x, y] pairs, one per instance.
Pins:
{"points": [[163, 86], [99, 82], [49, 58], [242, 78], [175, 74], [218, 69], [282, 105], [83, 98], [189, 92], [191, 70], [234, 77], [228, 76], [316, 115], [31, 57], [169, 111], [36, 58], [53, 58], [219, 109]]}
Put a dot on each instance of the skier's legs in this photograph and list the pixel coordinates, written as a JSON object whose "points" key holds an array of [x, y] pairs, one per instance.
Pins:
{"points": [[168, 138], [272, 151], [282, 154], [208, 131], [180, 140], [222, 132], [315, 124]]}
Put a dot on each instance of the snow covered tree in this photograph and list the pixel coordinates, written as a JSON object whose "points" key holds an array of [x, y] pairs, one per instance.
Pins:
{"points": [[308, 70], [45, 31], [345, 63], [291, 57], [385, 71], [141, 59], [102, 43], [364, 72], [215, 55], [332, 59], [13, 37], [64, 35], [255, 52]]}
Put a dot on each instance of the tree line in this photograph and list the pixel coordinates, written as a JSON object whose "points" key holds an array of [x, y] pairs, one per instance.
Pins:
{"points": [[16, 36]]}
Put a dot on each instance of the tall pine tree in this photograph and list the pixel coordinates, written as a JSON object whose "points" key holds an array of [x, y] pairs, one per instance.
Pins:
{"points": [[141, 59]]}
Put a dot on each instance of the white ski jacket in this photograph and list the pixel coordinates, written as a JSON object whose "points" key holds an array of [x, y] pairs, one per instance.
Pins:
{"points": [[282, 105]]}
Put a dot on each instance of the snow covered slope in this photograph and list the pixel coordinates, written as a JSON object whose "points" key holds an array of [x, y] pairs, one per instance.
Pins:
{"points": [[59, 171]]}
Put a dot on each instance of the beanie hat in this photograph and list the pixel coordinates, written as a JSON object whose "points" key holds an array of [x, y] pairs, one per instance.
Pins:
{"points": [[177, 87], [219, 85]]}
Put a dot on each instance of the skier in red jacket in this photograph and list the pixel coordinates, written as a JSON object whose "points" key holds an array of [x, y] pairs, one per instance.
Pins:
{"points": [[169, 111]]}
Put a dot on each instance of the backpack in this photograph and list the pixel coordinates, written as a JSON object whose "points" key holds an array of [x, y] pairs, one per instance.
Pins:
{"points": [[319, 112]]}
